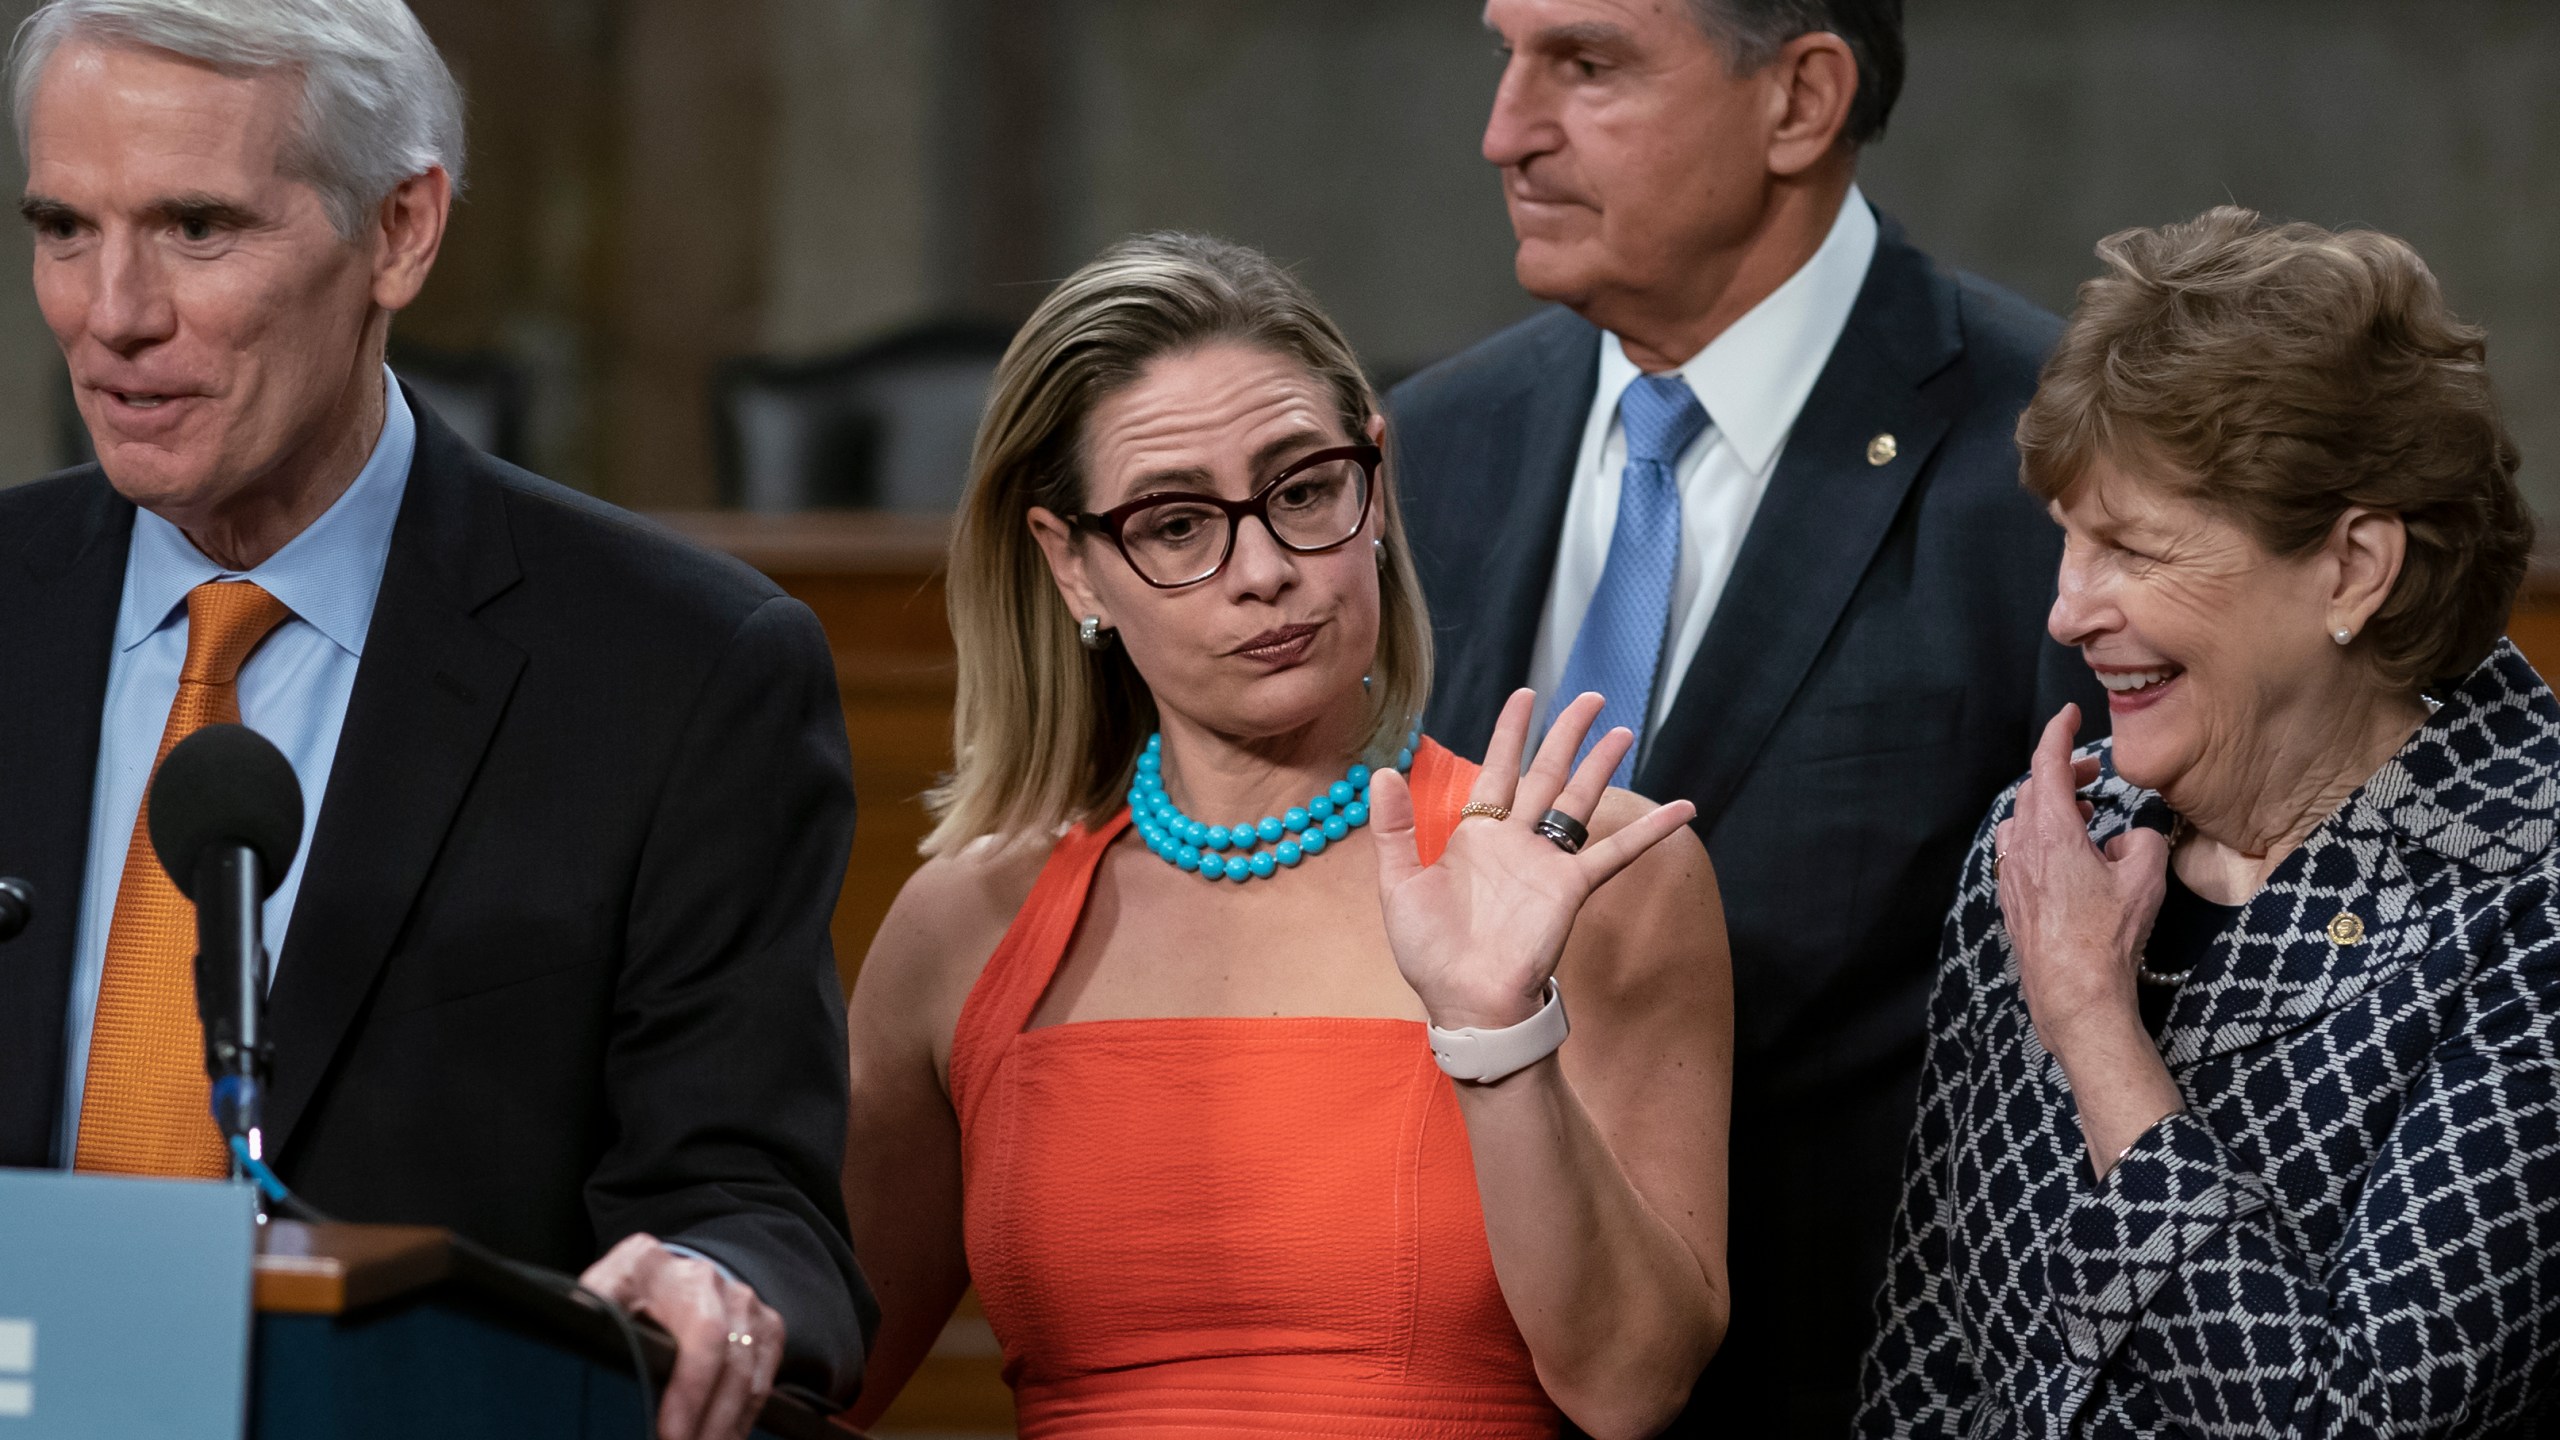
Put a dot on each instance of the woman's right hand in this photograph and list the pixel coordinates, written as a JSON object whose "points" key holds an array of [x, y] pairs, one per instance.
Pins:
{"points": [[1478, 932], [2077, 915]]}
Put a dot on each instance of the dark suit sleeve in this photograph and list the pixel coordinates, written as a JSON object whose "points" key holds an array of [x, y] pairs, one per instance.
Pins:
{"points": [[2431, 1313], [725, 1073]]}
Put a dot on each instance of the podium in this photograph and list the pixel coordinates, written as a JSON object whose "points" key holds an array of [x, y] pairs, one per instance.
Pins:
{"points": [[387, 1332]]}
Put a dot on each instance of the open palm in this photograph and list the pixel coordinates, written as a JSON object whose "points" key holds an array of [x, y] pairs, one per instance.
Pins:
{"points": [[1478, 932]]}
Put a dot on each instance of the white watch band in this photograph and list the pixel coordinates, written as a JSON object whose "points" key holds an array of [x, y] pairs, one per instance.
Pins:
{"points": [[1485, 1056]]}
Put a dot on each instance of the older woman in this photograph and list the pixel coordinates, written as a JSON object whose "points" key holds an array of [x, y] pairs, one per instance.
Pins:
{"points": [[1193, 1141], [2239, 1116]]}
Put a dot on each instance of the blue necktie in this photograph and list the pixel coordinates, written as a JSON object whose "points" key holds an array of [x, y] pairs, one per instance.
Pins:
{"points": [[1620, 646]]}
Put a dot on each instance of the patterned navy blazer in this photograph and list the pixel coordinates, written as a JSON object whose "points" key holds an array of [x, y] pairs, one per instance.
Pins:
{"points": [[2354, 1228]]}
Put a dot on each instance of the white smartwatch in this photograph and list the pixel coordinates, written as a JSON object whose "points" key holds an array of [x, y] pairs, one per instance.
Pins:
{"points": [[1484, 1056]]}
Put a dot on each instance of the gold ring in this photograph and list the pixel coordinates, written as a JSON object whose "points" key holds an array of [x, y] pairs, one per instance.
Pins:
{"points": [[1486, 809]]}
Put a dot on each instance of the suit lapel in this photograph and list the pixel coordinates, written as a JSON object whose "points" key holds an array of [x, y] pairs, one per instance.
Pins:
{"points": [[1827, 510], [1545, 418], [2348, 910], [58, 599], [2337, 917], [427, 701]]}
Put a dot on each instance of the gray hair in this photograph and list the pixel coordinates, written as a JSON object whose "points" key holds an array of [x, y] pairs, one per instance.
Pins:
{"points": [[1754, 31], [378, 103]]}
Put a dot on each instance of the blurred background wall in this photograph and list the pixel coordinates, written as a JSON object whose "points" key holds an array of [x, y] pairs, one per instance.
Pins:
{"points": [[660, 186]]}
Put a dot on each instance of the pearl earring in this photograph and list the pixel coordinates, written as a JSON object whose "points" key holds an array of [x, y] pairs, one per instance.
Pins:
{"points": [[2342, 634]]}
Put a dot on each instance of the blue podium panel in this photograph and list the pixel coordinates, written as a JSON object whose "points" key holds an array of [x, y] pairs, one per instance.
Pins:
{"points": [[418, 1370], [124, 1307], [435, 1367]]}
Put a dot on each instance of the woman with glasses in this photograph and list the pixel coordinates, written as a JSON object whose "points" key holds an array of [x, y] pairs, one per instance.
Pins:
{"points": [[1222, 1039]]}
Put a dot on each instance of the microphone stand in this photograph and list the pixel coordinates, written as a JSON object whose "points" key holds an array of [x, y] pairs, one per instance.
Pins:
{"points": [[231, 974]]}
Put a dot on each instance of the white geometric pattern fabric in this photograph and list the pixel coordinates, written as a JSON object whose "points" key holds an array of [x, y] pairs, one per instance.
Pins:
{"points": [[2354, 1228]]}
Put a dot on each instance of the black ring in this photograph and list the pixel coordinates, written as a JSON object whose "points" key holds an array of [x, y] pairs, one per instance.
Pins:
{"points": [[1569, 834]]}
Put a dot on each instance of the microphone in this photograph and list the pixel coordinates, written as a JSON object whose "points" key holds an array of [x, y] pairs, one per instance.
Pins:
{"points": [[226, 822], [17, 906]]}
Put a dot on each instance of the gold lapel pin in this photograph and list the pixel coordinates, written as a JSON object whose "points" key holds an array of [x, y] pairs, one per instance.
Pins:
{"points": [[1882, 449], [2347, 929]]}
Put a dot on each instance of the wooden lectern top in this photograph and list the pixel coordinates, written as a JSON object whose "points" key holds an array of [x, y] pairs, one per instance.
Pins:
{"points": [[331, 1269], [306, 1269]]}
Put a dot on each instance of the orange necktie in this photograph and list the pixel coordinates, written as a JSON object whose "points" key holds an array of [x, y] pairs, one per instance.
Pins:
{"points": [[147, 1108]]}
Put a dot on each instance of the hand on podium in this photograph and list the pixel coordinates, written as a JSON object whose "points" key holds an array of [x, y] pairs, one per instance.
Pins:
{"points": [[728, 1342]]}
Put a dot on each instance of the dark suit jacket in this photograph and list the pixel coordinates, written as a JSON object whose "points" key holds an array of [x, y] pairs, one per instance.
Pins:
{"points": [[1875, 672], [560, 968]]}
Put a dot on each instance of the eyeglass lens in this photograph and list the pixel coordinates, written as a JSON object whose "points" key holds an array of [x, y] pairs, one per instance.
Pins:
{"points": [[1182, 541]]}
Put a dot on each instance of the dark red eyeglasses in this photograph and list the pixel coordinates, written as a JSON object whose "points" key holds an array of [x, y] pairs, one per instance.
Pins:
{"points": [[1178, 538]]}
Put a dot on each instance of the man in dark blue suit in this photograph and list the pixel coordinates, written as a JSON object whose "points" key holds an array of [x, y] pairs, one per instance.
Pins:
{"points": [[1753, 480]]}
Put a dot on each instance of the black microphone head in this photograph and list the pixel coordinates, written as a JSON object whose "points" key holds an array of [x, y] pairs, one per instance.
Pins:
{"points": [[17, 906], [225, 784]]}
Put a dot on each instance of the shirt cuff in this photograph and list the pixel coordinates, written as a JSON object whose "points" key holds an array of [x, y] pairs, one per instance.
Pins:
{"points": [[2126, 1236], [675, 1248]]}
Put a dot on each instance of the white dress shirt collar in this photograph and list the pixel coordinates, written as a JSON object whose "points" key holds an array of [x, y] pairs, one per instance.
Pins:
{"points": [[1754, 378], [329, 576]]}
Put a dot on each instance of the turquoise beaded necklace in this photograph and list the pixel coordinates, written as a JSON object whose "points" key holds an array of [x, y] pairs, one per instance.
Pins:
{"points": [[1228, 852]]}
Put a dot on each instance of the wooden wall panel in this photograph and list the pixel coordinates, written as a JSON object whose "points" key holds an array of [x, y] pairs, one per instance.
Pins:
{"points": [[2535, 625], [875, 582]]}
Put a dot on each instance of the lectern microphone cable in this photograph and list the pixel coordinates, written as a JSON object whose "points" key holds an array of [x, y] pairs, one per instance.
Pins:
{"points": [[640, 1375], [277, 1192], [282, 1197]]}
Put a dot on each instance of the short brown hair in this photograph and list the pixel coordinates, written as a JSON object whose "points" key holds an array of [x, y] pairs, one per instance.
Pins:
{"points": [[2287, 373], [1045, 731]]}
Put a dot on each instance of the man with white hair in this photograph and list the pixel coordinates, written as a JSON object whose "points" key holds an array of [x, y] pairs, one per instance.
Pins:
{"points": [[553, 968]]}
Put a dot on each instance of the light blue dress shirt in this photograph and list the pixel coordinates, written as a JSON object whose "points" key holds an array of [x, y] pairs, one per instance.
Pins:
{"points": [[293, 690]]}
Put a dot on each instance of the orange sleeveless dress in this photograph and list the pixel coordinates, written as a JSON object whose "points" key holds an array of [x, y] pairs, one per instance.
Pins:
{"points": [[1217, 1227]]}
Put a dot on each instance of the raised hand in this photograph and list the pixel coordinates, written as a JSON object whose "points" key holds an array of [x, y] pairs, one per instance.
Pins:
{"points": [[2078, 916], [1477, 933]]}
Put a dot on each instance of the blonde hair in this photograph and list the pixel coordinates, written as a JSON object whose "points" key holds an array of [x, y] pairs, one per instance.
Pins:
{"points": [[1045, 732]]}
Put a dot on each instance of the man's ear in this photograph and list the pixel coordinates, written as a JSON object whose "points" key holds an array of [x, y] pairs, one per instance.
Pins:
{"points": [[410, 232], [1066, 563], [2368, 548], [1813, 82]]}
